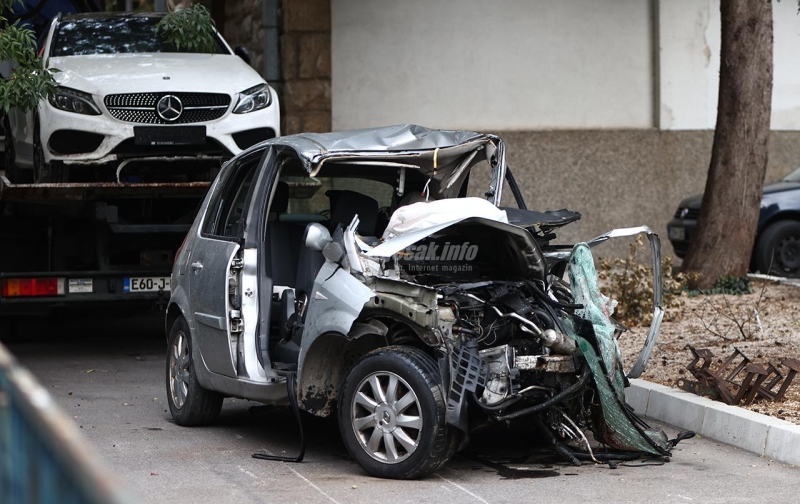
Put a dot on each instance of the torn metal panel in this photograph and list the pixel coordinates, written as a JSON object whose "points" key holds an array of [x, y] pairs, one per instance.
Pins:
{"points": [[338, 298]]}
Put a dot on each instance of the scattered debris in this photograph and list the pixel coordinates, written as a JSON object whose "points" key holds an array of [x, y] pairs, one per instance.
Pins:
{"points": [[737, 379]]}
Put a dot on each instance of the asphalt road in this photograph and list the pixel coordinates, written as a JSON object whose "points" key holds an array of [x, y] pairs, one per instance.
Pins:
{"points": [[109, 376]]}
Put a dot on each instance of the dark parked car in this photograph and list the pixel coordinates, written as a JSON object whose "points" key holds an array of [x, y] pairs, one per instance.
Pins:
{"points": [[777, 246]]}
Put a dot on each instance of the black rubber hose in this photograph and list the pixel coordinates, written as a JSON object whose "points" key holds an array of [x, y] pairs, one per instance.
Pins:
{"points": [[607, 457], [465, 330], [550, 402], [291, 380], [557, 446]]}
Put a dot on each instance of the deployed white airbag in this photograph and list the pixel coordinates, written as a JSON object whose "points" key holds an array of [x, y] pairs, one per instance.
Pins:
{"points": [[428, 214], [412, 223]]}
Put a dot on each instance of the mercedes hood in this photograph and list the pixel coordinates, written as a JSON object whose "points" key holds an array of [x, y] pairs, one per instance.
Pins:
{"points": [[104, 74]]}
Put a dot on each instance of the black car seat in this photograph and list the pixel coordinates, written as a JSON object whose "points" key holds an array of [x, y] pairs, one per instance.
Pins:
{"points": [[344, 206], [347, 204], [293, 304], [284, 239], [284, 248]]}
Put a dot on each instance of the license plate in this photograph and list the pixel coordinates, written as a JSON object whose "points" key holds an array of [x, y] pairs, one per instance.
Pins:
{"points": [[169, 135], [677, 233], [145, 284]]}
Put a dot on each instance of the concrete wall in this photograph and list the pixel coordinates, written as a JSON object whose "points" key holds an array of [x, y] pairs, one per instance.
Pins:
{"points": [[621, 178], [688, 64], [510, 64], [538, 64], [596, 119]]}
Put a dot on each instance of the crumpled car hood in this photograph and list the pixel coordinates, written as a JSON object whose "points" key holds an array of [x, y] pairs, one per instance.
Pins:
{"points": [[103, 74], [412, 223], [483, 218]]}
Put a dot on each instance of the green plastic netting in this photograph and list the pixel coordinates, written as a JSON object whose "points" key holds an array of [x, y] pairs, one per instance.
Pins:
{"points": [[619, 429]]}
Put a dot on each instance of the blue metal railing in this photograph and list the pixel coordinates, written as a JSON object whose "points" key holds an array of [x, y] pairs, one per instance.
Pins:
{"points": [[43, 456]]}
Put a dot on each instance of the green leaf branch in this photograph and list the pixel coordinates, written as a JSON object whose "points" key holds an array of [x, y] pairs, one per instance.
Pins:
{"points": [[190, 29], [29, 82]]}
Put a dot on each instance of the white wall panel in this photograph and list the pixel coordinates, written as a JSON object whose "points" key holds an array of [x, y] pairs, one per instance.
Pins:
{"points": [[689, 48], [504, 64]]}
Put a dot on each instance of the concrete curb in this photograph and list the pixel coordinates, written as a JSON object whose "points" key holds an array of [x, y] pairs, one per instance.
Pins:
{"points": [[761, 434], [776, 279]]}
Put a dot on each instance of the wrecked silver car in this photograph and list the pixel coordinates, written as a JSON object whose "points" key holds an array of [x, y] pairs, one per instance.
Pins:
{"points": [[353, 274]]}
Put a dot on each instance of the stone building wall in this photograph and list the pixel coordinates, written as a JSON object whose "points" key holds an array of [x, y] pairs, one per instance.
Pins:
{"points": [[306, 65], [304, 27], [243, 26]]}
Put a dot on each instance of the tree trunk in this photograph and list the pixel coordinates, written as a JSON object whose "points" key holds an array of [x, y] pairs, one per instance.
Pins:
{"points": [[723, 240]]}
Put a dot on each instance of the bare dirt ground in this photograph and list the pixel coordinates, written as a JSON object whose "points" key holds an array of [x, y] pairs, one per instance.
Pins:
{"points": [[722, 323]]}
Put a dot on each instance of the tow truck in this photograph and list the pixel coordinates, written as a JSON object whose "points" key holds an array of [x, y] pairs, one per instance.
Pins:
{"points": [[90, 245]]}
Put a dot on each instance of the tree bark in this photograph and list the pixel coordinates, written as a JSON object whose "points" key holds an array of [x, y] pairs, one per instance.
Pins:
{"points": [[723, 239]]}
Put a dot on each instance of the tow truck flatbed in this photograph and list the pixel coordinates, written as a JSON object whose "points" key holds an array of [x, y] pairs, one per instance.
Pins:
{"points": [[106, 245]]}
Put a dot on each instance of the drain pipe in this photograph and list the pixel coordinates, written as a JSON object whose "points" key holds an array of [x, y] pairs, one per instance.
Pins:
{"points": [[270, 17]]}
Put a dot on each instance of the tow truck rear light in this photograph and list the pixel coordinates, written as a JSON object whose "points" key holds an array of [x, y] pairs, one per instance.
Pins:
{"points": [[31, 287]]}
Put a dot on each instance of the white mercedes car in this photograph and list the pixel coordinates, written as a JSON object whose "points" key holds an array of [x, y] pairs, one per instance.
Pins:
{"points": [[131, 106]]}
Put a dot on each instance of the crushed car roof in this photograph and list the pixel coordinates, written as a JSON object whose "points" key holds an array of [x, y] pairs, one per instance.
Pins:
{"points": [[445, 156], [399, 140]]}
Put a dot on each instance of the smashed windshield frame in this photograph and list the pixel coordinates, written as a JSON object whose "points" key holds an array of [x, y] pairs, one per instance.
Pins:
{"points": [[114, 35]]}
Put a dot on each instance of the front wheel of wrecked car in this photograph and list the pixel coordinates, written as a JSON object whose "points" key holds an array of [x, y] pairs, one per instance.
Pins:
{"points": [[392, 414], [189, 403]]}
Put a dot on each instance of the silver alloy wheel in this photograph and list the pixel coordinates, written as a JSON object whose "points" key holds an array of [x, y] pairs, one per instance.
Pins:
{"points": [[179, 369], [386, 417]]}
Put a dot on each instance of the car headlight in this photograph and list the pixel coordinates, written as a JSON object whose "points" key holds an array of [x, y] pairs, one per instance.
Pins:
{"points": [[255, 98], [72, 100]]}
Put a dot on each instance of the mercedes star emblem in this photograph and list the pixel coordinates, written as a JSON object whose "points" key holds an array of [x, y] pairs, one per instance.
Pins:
{"points": [[169, 108], [684, 213]]}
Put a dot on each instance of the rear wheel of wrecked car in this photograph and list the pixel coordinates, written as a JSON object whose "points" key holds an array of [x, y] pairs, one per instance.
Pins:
{"points": [[392, 414], [189, 403], [778, 249]]}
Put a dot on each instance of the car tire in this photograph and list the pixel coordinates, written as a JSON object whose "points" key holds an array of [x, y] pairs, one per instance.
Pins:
{"points": [[53, 172], [777, 251], [189, 403], [392, 414]]}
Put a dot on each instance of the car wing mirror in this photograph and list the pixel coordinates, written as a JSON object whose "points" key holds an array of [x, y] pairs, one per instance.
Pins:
{"points": [[317, 236], [243, 53]]}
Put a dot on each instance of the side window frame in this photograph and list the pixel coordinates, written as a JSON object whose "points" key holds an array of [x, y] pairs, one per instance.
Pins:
{"points": [[229, 187]]}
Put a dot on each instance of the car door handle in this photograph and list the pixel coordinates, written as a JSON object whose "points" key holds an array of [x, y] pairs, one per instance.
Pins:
{"points": [[197, 266]]}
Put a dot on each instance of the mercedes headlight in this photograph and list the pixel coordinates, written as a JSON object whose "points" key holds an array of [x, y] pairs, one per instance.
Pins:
{"points": [[255, 98], [72, 100]]}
